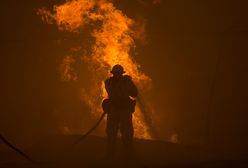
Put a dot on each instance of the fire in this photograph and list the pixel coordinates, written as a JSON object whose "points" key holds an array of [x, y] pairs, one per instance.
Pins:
{"points": [[114, 38]]}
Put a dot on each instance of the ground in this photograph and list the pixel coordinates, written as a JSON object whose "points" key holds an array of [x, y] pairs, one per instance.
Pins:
{"points": [[58, 151]]}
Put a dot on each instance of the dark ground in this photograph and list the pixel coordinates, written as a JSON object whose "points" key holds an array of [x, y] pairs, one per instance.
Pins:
{"points": [[91, 153]]}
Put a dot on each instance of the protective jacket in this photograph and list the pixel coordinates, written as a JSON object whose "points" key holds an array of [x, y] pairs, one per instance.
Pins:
{"points": [[119, 90]]}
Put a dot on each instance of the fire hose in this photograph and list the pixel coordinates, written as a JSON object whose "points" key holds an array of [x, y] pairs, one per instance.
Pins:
{"points": [[23, 154], [5, 141]]}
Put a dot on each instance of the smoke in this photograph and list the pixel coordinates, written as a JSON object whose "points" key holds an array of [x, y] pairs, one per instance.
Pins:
{"points": [[66, 69], [140, 30], [156, 2], [149, 2]]}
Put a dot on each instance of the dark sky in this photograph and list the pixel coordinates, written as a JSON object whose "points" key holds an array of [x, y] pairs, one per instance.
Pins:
{"points": [[185, 40]]}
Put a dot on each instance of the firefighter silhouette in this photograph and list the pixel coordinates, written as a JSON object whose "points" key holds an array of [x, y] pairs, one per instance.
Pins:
{"points": [[119, 107]]}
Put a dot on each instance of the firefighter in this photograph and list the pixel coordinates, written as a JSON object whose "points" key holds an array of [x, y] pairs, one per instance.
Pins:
{"points": [[119, 107]]}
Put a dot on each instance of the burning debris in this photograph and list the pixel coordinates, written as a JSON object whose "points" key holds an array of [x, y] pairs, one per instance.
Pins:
{"points": [[114, 37]]}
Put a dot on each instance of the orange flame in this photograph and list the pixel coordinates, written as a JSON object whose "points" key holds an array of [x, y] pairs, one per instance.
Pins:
{"points": [[113, 36]]}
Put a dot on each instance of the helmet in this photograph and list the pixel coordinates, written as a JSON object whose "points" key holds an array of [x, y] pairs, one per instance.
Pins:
{"points": [[117, 69]]}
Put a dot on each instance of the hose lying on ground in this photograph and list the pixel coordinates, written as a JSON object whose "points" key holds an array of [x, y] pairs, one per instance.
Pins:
{"points": [[16, 149], [19, 151]]}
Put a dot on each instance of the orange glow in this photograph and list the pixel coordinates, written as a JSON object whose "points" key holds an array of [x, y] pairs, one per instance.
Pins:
{"points": [[66, 69], [114, 38]]}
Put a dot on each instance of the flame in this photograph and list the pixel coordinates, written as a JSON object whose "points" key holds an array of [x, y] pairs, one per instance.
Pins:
{"points": [[114, 39]]}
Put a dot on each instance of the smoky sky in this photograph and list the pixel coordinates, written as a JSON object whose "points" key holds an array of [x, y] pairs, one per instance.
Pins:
{"points": [[196, 55]]}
